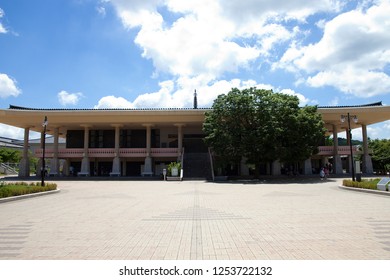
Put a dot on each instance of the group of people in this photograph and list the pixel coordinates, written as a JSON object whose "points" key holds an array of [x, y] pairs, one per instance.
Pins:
{"points": [[324, 172]]}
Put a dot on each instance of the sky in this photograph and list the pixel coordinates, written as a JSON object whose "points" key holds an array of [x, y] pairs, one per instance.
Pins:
{"points": [[155, 53]]}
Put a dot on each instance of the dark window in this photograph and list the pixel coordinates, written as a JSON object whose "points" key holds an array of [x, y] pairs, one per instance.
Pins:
{"points": [[102, 139], [138, 138], [155, 143], [108, 138], [75, 139], [125, 138]]}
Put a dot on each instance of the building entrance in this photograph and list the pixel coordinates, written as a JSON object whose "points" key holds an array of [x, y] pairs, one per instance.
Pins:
{"points": [[194, 143]]}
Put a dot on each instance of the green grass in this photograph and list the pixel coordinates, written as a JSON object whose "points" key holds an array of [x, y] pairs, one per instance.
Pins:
{"points": [[364, 184], [21, 188]]}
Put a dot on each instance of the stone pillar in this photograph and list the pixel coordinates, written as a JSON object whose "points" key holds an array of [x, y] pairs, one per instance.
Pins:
{"points": [[337, 164], [276, 168], [24, 166], [116, 164], [85, 168], [179, 140], [39, 164], [55, 164], [148, 170], [367, 162], [65, 167]]}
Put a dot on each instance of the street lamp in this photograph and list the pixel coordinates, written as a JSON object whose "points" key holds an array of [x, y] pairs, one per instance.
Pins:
{"points": [[44, 124], [355, 120]]}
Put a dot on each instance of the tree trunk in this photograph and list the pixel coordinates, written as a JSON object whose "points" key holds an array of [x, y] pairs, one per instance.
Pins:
{"points": [[257, 170]]}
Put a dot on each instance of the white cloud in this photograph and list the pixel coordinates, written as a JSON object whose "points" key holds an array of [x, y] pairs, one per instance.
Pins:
{"points": [[16, 132], [2, 28], [11, 131], [359, 82], [204, 40], [180, 94], [113, 102], [101, 10], [8, 87], [213, 37], [302, 99], [379, 131], [375, 131], [190, 47], [351, 56], [66, 98]]}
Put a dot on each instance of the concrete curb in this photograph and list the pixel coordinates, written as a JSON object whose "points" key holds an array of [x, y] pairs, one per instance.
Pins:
{"points": [[25, 196], [365, 190]]}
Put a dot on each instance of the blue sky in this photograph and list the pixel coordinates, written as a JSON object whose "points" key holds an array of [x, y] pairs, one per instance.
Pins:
{"points": [[155, 53]]}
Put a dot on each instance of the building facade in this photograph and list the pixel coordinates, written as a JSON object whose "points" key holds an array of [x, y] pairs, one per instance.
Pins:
{"points": [[142, 142]]}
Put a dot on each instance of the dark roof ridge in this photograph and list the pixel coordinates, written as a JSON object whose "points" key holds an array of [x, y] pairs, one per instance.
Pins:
{"points": [[351, 106], [13, 107]]}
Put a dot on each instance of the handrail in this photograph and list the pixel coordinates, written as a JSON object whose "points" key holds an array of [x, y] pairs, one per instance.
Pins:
{"points": [[108, 152], [8, 168], [341, 150]]}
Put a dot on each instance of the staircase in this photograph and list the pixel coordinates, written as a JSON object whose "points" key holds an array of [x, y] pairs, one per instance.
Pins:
{"points": [[197, 166], [8, 170]]}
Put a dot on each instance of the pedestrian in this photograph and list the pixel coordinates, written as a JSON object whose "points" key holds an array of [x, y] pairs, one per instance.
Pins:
{"points": [[326, 170], [322, 174]]}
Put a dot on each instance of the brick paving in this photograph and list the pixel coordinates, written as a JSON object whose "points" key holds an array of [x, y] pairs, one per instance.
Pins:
{"points": [[148, 220]]}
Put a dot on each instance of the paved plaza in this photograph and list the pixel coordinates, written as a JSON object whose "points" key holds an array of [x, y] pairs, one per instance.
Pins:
{"points": [[308, 219]]}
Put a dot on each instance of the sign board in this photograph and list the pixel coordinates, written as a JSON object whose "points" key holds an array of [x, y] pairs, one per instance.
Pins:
{"points": [[382, 184]]}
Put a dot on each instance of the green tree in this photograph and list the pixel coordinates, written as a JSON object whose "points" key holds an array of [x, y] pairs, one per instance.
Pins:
{"points": [[225, 125], [302, 135], [9, 155], [262, 126], [380, 154]]}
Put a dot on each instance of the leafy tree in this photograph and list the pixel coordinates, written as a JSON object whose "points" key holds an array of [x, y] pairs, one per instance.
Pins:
{"points": [[262, 126], [380, 154], [33, 162], [9, 155], [302, 135], [225, 125]]}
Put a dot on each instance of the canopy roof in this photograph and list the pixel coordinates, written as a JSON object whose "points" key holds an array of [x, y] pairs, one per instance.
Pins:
{"points": [[76, 118]]}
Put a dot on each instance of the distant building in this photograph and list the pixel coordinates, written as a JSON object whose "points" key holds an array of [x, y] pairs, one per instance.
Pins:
{"points": [[10, 143]]}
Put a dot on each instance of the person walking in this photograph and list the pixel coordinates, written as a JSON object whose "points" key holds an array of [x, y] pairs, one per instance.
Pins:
{"points": [[322, 174]]}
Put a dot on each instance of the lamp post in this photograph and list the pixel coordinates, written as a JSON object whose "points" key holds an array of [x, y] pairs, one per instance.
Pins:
{"points": [[355, 119], [43, 168]]}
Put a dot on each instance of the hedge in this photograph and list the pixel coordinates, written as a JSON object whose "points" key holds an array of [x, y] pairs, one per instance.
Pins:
{"points": [[21, 188], [364, 184]]}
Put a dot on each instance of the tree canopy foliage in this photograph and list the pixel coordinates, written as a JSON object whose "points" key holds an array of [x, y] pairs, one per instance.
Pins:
{"points": [[262, 126], [9, 155], [380, 154]]}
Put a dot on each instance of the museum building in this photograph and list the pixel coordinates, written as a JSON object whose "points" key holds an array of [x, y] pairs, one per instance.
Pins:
{"points": [[142, 142]]}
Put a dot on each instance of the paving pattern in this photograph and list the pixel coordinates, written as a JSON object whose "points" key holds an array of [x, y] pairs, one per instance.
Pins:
{"points": [[292, 220]]}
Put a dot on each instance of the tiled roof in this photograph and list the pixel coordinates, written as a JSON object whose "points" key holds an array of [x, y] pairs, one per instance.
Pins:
{"points": [[13, 107], [351, 106]]}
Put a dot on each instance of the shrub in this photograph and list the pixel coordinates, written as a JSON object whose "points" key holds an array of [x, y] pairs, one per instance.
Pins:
{"points": [[364, 184], [21, 188], [173, 165]]}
